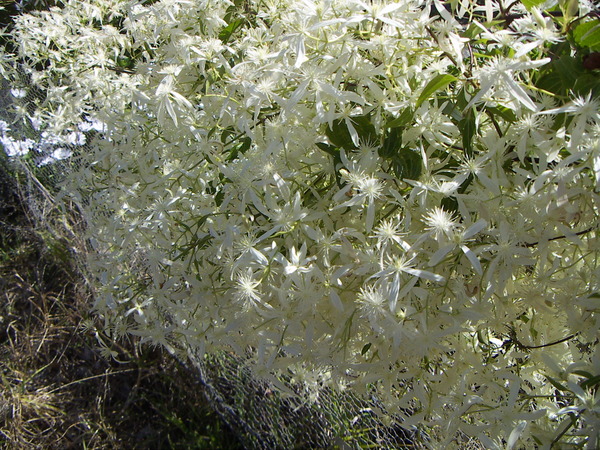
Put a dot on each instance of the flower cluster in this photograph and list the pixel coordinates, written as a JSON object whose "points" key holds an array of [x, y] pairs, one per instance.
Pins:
{"points": [[393, 194]]}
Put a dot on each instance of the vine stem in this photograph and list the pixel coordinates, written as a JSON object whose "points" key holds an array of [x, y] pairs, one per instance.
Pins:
{"points": [[555, 238], [513, 338]]}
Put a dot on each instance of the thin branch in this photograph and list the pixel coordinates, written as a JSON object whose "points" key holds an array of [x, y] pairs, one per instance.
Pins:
{"points": [[564, 236], [512, 335], [530, 347]]}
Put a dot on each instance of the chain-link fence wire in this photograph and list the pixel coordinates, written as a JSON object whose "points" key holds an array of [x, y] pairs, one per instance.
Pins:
{"points": [[32, 167], [264, 414], [267, 416]]}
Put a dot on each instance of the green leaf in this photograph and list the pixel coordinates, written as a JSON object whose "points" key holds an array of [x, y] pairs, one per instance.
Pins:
{"points": [[333, 151], [391, 144], [468, 128], [532, 3], [449, 204], [591, 382], [557, 385], [226, 134], [461, 102], [504, 112], [226, 33], [403, 119], [434, 85], [245, 145], [365, 349], [566, 75], [523, 318], [340, 136], [241, 147], [583, 373], [472, 31], [407, 164], [587, 34]]}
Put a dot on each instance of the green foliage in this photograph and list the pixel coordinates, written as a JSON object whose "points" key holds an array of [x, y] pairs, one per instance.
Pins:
{"points": [[231, 28], [587, 34], [392, 143], [407, 164], [468, 129], [532, 3], [565, 75], [437, 83], [236, 17], [403, 119], [340, 136]]}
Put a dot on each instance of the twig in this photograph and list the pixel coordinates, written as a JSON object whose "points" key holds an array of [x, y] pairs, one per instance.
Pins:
{"points": [[512, 334], [564, 236], [530, 347]]}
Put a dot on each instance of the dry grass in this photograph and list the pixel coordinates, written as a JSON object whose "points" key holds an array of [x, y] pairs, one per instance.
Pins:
{"points": [[56, 388]]}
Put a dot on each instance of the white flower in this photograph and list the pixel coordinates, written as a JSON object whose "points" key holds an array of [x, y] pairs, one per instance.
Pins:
{"points": [[440, 223], [247, 291], [387, 233], [459, 239], [369, 189], [373, 304], [499, 75], [396, 268], [298, 262]]}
